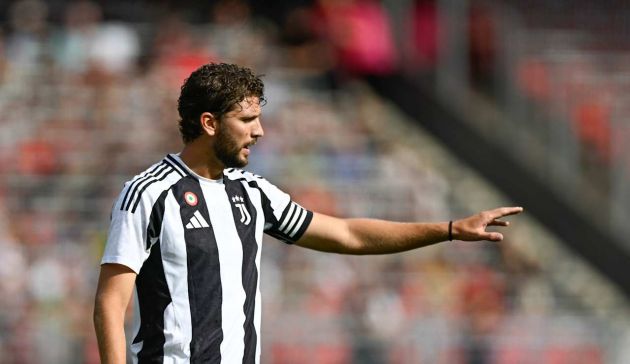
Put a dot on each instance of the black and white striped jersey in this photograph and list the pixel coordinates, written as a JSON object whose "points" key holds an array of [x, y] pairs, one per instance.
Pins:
{"points": [[195, 244]]}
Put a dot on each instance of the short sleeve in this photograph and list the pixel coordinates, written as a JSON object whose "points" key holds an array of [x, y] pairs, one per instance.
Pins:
{"points": [[126, 241], [284, 219]]}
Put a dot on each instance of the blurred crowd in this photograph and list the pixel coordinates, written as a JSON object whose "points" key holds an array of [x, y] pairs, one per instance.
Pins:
{"points": [[88, 100], [557, 72]]}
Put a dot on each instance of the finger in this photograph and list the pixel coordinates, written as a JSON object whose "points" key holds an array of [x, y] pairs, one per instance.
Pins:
{"points": [[494, 236], [498, 223], [505, 211]]}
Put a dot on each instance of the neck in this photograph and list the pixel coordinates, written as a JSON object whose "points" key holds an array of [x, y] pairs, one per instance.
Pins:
{"points": [[200, 158]]}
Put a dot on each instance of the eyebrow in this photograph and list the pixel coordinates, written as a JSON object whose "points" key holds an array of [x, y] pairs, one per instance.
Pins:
{"points": [[249, 117]]}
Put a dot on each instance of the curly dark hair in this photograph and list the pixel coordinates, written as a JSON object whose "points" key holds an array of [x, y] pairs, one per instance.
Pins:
{"points": [[214, 88]]}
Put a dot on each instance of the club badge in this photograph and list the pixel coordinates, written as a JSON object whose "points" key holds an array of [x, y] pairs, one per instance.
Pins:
{"points": [[191, 199]]}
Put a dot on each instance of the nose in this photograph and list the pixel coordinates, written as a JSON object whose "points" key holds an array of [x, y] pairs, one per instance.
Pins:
{"points": [[257, 130]]}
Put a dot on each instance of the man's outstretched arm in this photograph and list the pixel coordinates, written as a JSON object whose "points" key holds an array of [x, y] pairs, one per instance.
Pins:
{"points": [[370, 236], [115, 286]]}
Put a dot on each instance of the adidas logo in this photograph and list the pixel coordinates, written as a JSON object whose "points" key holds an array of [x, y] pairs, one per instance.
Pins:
{"points": [[197, 221]]}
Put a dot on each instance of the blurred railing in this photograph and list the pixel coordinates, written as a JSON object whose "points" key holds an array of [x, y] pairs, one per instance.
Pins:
{"points": [[553, 94]]}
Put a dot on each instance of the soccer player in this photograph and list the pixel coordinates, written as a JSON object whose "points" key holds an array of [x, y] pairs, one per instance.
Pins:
{"points": [[186, 235]]}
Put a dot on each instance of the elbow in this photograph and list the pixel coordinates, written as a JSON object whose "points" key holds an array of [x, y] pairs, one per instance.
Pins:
{"points": [[103, 312], [356, 246]]}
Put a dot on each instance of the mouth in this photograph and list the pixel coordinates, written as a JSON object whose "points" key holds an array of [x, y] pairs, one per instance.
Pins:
{"points": [[250, 144], [246, 147]]}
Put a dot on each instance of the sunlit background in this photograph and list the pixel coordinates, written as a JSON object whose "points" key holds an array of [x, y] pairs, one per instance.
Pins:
{"points": [[409, 110]]}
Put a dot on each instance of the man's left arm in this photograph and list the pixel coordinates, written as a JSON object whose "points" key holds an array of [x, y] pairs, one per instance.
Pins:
{"points": [[371, 236]]}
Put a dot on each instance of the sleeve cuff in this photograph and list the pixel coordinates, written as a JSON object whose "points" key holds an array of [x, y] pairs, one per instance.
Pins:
{"points": [[134, 266]]}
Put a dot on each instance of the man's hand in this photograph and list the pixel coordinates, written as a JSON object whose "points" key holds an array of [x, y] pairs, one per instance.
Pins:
{"points": [[473, 228]]}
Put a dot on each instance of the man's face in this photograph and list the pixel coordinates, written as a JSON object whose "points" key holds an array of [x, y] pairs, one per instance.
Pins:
{"points": [[238, 129]]}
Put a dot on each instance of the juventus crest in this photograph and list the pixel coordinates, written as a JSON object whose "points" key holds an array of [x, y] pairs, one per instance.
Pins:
{"points": [[239, 203]]}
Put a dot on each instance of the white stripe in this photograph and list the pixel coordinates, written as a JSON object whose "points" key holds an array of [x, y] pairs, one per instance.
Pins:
{"points": [[202, 221], [177, 317], [257, 307], [296, 216], [299, 224], [172, 347], [254, 197], [230, 252], [189, 226], [193, 220], [288, 217]]}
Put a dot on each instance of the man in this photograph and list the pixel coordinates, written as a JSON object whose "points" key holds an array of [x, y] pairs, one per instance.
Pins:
{"points": [[187, 234]]}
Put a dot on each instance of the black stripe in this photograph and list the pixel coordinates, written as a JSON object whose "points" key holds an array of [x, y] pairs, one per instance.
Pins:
{"points": [[174, 161], [155, 220], [204, 277], [174, 168], [303, 227], [277, 235], [140, 187], [135, 182], [149, 176], [292, 224], [270, 217], [249, 270], [293, 219], [169, 170], [284, 216], [153, 294]]}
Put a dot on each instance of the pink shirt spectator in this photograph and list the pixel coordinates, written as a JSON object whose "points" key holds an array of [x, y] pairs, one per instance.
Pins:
{"points": [[361, 35]]}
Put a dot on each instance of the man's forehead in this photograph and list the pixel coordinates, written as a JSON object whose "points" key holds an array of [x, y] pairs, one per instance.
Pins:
{"points": [[250, 106]]}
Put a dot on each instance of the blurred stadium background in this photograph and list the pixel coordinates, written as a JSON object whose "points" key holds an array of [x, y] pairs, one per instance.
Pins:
{"points": [[400, 109]]}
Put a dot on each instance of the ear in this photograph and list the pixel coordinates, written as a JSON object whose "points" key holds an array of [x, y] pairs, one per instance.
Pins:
{"points": [[208, 123]]}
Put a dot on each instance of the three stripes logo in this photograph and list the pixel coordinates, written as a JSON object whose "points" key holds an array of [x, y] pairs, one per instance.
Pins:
{"points": [[238, 201], [197, 221], [142, 182], [292, 220]]}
